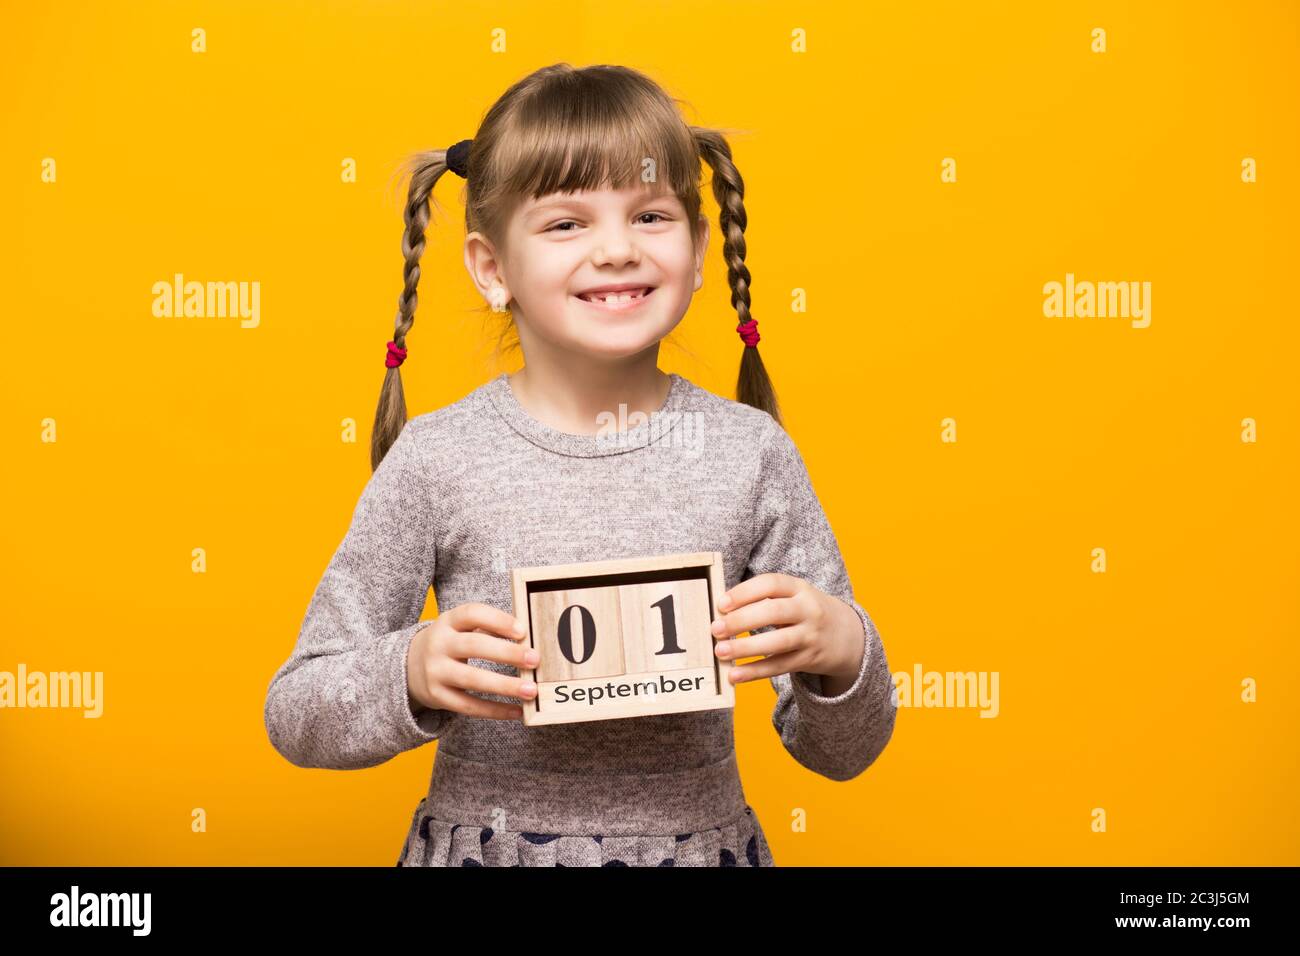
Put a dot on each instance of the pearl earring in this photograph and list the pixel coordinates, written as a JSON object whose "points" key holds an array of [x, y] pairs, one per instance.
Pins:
{"points": [[498, 299]]}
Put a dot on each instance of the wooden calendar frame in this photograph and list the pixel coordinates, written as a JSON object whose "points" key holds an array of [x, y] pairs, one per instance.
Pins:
{"points": [[614, 596]]}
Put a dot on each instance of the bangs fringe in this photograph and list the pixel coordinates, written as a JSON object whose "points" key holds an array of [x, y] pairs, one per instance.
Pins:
{"points": [[574, 135]]}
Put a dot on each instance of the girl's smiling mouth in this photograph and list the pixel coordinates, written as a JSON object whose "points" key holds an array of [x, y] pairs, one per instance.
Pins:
{"points": [[624, 300]]}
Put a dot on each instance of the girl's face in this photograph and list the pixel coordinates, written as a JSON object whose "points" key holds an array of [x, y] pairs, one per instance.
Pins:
{"points": [[566, 254]]}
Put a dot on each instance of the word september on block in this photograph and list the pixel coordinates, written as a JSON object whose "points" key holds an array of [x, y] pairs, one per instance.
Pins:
{"points": [[623, 638]]}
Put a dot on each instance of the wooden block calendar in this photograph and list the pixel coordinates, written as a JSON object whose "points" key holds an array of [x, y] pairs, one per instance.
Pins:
{"points": [[622, 638]]}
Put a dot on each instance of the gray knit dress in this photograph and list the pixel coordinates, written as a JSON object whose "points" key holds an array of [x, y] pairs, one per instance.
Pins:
{"points": [[478, 487]]}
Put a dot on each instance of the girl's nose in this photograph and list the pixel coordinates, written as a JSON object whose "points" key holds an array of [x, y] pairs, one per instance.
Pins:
{"points": [[616, 249]]}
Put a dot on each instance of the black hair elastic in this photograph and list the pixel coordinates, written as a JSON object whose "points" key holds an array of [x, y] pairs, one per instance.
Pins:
{"points": [[458, 158]]}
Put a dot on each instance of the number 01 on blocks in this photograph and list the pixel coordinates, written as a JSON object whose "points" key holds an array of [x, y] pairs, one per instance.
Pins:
{"points": [[623, 638]]}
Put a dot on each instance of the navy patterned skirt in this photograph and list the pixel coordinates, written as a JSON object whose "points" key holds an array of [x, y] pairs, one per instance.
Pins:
{"points": [[434, 842]]}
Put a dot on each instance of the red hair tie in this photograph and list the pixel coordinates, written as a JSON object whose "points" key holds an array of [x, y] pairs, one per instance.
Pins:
{"points": [[395, 356], [749, 332]]}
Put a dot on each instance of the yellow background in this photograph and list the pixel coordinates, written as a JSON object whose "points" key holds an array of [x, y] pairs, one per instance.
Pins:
{"points": [[1119, 690]]}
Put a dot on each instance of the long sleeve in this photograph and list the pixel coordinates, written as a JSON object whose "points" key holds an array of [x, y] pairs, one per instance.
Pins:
{"points": [[340, 700], [837, 737]]}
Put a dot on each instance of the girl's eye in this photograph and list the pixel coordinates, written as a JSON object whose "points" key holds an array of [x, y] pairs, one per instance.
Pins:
{"points": [[570, 222]]}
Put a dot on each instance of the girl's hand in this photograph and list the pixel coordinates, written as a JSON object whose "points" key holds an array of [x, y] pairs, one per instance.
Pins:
{"points": [[438, 672], [822, 634]]}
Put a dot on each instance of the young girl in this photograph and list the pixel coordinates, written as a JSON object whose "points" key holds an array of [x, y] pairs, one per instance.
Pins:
{"points": [[583, 219]]}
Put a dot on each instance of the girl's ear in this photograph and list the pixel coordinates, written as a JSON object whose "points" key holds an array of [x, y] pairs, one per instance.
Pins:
{"points": [[701, 243], [484, 269]]}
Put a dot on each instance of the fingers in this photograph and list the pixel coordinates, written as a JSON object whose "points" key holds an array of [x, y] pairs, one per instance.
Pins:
{"points": [[476, 631], [467, 617], [463, 703], [781, 641], [472, 677], [489, 647], [768, 667], [771, 584], [763, 613]]}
